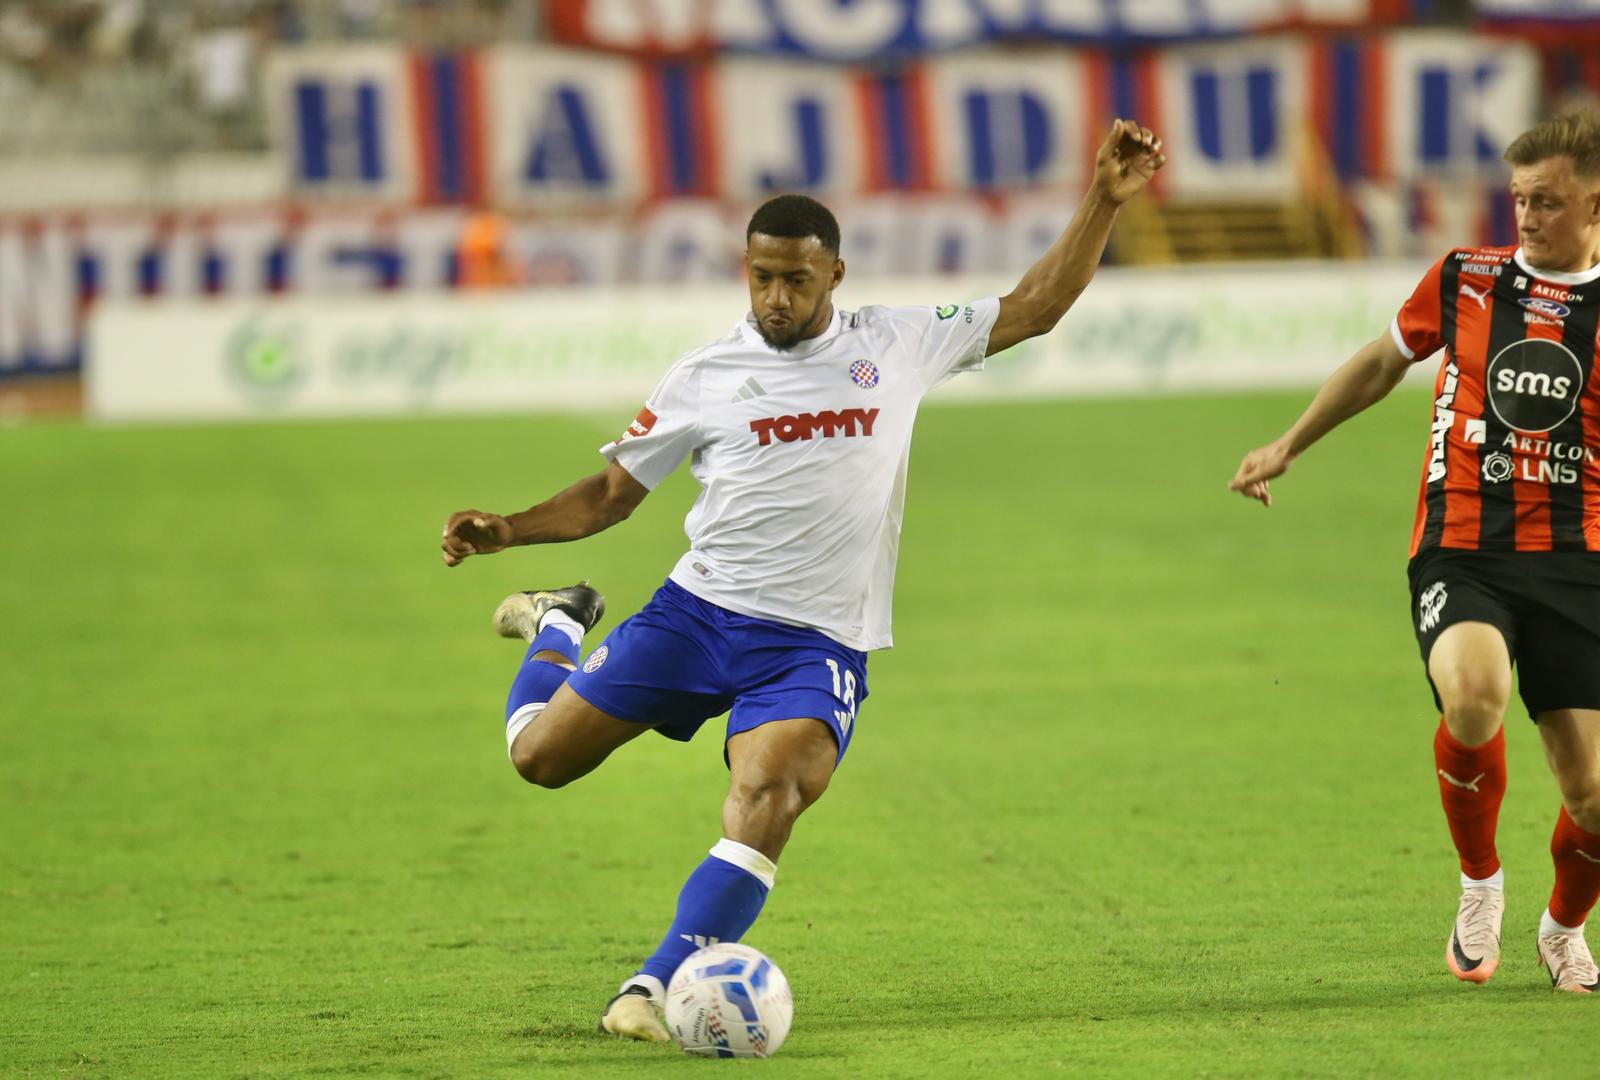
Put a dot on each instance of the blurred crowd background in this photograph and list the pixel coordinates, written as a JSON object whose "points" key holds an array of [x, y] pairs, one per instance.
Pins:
{"points": [[155, 149], [163, 77]]}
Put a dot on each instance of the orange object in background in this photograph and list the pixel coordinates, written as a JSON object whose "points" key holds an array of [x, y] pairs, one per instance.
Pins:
{"points": [[483, 253]]}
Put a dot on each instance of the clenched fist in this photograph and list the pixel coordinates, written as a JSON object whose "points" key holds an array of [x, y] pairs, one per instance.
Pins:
{"points": [[474, 532]]}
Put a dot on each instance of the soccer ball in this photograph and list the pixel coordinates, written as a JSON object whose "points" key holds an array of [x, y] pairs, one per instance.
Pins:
{"points": [[729, 1001]]}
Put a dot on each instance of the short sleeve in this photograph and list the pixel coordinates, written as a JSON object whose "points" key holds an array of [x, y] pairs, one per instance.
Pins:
{"points": [[945, 341], [1416, 328], [666, 431]]}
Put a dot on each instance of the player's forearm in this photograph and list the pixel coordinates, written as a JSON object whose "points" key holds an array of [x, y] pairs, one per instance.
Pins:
{"points": [[1360, 382], [581, 510], [1051, 285]]}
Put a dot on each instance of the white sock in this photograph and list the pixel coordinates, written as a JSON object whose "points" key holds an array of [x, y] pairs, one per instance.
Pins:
{"points": [[521, 719], [559, 619], [747, 859], [1547, 925], [1496, 880]]}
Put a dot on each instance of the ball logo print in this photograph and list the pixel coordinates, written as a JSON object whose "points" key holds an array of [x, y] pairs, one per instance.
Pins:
{"points": [[729, 1001], [1533, 385], [864, 373], [596, 658]]}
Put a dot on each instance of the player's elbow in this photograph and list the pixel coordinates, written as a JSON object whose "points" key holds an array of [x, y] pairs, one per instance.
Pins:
{"points": [[1041, 312], [614, 512]]}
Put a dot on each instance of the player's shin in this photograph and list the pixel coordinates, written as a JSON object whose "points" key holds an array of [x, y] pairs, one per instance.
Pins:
{"points": [[1472, 782], [538, 679], [719, 902], [1576, 855]]}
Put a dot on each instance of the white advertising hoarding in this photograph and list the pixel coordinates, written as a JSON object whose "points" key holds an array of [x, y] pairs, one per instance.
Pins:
{"points": [[1133, 332]]}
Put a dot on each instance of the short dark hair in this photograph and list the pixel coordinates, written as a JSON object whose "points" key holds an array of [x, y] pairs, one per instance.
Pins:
{"points": [[797, 216]]}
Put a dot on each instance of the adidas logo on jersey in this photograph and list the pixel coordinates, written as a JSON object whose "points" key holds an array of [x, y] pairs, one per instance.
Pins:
{"points": [[750, 389], [828, 423]]}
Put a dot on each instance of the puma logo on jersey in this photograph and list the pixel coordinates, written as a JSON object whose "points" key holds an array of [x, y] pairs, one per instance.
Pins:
{"points": [[1467, 785], [828, 423], [1480, 297]]}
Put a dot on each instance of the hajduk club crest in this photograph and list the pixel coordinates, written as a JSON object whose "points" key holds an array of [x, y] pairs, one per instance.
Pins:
{"points": [[864, 373]]}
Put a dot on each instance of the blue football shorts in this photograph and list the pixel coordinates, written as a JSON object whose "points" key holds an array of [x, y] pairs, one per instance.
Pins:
{"points": [[681, 661]]}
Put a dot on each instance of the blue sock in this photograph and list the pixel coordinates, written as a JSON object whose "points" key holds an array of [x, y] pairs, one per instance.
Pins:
{"points": [[719, 902], [537, 680]]}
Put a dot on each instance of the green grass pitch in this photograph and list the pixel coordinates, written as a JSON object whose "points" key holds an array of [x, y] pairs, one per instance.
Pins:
{"points": [[1145, 788]]}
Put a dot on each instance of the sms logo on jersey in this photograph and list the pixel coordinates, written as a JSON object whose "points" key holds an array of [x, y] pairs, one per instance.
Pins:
{"points": [[640, 427], [1534, 384], [864, 373]]}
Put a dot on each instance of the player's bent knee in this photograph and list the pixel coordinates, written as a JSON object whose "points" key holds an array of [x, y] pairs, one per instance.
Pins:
{"points": [[539, 767], [776, 799], [1473, 700], [1581, 796]]}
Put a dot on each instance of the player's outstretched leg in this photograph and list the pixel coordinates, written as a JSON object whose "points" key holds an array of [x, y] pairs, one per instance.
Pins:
{"points": [[777, 770], [719, 902], [552, 622]]}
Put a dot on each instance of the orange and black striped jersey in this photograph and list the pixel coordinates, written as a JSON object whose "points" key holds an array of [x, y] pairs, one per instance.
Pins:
{"points": [[1512, 461]]}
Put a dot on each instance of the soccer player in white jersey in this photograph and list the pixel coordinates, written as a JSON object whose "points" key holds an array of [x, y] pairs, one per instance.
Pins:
{"points": [[797, 425]]}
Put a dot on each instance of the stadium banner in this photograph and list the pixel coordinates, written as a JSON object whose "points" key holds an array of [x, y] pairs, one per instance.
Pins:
{"points": [[564, 128], [1553, 20], [788, 127], [552, 129], [1009, 120], [1134, 332], [1231, 117], [1456, 101], [344, 120], [857, 30]]}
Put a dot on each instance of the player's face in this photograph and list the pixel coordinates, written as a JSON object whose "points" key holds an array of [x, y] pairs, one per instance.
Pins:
{"points": [[791, 286], [1558, 215]]}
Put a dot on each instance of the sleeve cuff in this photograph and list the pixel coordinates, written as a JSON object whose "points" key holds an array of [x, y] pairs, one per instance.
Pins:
{"points": [[1400, 341]]}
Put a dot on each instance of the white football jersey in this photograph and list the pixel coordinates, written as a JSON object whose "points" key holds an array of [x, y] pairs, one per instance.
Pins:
{"points": [[801, 457]]}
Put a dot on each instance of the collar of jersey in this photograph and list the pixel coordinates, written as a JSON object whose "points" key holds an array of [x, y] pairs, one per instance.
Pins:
{"points": [[802, 349], [1581, 277]]}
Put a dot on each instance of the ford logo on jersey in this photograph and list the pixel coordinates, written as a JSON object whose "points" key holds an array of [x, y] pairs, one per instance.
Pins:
{"points": [[864, 373], [1545, 307]]}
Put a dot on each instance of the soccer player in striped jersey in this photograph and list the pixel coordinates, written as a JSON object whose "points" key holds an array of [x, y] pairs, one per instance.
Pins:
{"points": [[797, 425], [1505, 550]]}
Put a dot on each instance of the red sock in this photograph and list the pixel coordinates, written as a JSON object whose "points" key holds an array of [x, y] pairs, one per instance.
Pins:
{"points": [[1472, 781], [1577, 857]]}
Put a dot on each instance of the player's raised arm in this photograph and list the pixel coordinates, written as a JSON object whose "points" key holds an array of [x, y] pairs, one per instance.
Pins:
{"points": [[1364, 379], [1124, 164], [592, 505]]}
